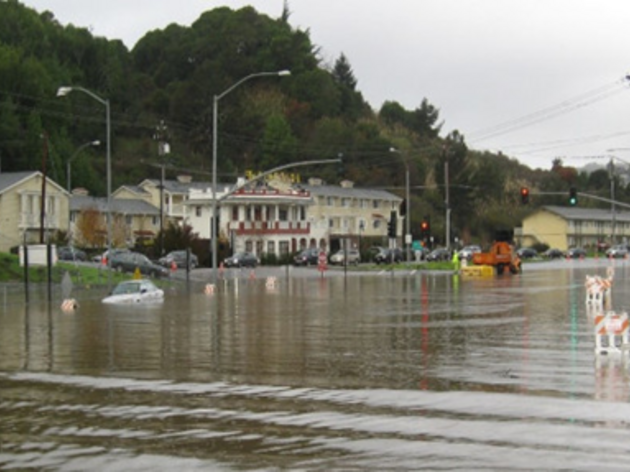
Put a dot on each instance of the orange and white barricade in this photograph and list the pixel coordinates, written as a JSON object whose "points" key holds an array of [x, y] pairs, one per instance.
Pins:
{"points": [[209, 289], [598, 289], [271, 283], [612, 333]]}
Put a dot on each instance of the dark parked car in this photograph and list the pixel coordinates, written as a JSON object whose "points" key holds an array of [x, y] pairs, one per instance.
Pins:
{"points": [[179, 258], [307, 257], [69, 253], [576, 253], [129, 261], [388, 256], [527, 253], [439, 254], [553, 253], [99, 258], [241, 259]]}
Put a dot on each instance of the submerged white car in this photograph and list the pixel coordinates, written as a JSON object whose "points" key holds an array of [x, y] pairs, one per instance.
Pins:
{"points": [[135, 291]]}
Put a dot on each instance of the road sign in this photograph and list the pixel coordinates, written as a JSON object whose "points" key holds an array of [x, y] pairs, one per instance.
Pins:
{"points": [[321, 261]]}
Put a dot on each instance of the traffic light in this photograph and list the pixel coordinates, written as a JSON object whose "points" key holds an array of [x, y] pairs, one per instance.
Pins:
{"points": [[425, 227], [391, 225], [524, 195], [573, 196]]}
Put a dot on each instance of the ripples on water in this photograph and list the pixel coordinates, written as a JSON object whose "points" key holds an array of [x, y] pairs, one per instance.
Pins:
{"points": [[369, 373]]}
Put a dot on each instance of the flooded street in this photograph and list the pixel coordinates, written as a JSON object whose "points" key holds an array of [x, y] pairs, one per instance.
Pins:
{"points": [[366, 372]]}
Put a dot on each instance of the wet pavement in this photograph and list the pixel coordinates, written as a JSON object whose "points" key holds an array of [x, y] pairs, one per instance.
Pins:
{"points": [[378, 371]]}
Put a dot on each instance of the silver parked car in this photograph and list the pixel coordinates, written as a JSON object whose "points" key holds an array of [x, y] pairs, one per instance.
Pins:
{"points": [[339, 258]]}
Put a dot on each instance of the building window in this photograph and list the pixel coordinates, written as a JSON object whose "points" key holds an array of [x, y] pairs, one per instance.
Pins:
{"points": [[128, 219], [302, 213], [375, 203], [198, 211], [284, 247], [376, 224], [234, 213], [345, 202], [331, 223], [330, 201], [155, 220], [283, 214], [271, 247], [248, 246]]}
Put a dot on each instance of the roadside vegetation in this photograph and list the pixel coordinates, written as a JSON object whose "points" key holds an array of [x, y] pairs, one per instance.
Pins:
{"points": [[11, 271]]}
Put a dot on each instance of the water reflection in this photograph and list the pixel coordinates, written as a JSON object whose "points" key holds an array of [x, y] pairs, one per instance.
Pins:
{"points": [[365, 372]]}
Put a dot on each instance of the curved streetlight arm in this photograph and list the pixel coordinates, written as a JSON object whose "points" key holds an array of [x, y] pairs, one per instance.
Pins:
{"points": [[72, 158], [273, 171], [251, 76], [63, 91]]}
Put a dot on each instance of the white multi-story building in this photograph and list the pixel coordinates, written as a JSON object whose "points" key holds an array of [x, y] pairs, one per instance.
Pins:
{"points": [[280, 218], [259, 218], [345, 212]]}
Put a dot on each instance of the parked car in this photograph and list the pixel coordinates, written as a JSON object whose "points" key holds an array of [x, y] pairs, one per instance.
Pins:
{"points": [[241, 259], [307, 257], [339, 258], [439, 254], [388, 256], [467, 251], [618, 251], [179, 258], [69, 253], [553, 253], [99, 258], [527, 253], [576, 253], [128, 261]]}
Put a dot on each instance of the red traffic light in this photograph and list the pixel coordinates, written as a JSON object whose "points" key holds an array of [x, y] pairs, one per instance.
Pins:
{"points": [[524, 195]]}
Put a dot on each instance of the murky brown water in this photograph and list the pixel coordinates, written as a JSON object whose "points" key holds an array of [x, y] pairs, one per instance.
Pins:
{"points": [[372, 372]]}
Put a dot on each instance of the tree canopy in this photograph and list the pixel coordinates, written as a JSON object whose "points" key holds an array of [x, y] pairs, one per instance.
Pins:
{"points": [[172, 75]]}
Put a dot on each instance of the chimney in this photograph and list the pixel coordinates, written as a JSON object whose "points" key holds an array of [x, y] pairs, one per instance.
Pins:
{"points": [[184, 179], [80, 192], [346, 184], [315, 181]]}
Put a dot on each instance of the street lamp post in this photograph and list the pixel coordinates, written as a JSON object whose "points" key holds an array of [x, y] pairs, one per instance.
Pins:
{"points": [[215, 126], [62, 92], [76, 153], [407, 205]]}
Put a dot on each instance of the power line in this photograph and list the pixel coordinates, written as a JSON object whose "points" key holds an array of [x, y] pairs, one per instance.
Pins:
{"points": [[566, 106]]}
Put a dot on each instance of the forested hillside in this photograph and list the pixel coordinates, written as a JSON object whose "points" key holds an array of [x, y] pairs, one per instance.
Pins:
{"points": [[317, 112]]}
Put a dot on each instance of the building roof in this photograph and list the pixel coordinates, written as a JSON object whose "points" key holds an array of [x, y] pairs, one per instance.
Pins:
{"points": [[11, 179], [350, 192], [593, 214], [119, 205], [133, 188], [176, 186]]}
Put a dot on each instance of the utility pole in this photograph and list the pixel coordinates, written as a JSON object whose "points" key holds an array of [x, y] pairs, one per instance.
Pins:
{"points": [[447, 200], [42, 209], [163, 148], [611, 173]]}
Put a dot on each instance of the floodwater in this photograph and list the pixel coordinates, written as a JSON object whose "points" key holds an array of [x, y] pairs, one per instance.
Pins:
{"points": [[365, 372]]}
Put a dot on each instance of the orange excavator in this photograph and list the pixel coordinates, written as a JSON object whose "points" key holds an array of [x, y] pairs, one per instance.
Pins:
{"points": [[501, 254]]}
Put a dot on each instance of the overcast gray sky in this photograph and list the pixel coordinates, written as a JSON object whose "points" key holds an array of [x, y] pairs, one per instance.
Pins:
{"points": [[535, 79]]}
